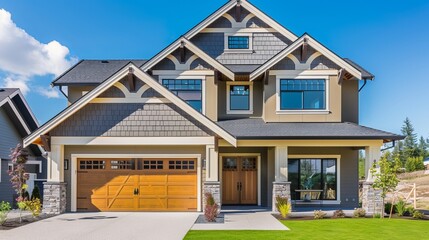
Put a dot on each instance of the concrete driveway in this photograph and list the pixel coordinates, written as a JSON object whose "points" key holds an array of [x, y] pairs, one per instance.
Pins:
{"points": [[106, 225]]}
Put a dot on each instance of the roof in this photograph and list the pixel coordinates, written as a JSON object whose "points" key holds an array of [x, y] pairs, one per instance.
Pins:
{"points": [[242, 68], [147, 79], [93, 72], [6, 92], [256, 128], [365, 73]]}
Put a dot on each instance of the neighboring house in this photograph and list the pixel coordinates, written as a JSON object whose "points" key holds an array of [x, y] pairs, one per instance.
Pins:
{"points": [[16, 122], [238, 106]]}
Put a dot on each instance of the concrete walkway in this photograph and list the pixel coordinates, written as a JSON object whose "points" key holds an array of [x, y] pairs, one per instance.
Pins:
{"points": [[106, 225], [260, 219]]}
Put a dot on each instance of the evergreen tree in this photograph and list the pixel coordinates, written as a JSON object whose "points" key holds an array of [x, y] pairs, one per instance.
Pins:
{"points": [[423, 147], [410, 142]]}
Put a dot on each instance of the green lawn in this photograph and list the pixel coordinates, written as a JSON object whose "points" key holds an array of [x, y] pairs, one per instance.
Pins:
{"points": [[330, 229]]}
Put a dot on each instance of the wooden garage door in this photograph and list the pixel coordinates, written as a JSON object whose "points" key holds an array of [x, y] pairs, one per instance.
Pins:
{"points": [[137, 185]]}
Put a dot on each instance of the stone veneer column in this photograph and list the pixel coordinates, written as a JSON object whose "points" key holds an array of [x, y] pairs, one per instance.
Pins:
{"points": [[54, 197], [214, 189], [281, 189], [371, 199]]}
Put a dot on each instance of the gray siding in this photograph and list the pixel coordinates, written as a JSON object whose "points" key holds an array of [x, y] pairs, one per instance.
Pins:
{"points": [[131, 120], [349, 179], [6, 190], [9, 136], [265, 46]]}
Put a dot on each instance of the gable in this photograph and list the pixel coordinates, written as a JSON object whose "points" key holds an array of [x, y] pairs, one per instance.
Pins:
{"points": [[195, 121]]}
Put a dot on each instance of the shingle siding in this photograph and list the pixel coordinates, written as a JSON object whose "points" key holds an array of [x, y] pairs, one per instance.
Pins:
{"points": [[131, 120], [6, 190]]}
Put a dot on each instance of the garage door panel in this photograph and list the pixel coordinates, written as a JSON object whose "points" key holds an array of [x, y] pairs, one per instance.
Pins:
{"points": [[153, 203], [182, 190], [102, 188]]}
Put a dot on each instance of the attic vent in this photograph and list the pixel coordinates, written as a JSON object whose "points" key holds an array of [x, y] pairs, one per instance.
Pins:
{"points": [[104, 61]]}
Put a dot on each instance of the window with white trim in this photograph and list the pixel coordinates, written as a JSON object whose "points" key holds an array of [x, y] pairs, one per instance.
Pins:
{"points": [[302, 94], [239, 98], [189, 90], [239, 43]]}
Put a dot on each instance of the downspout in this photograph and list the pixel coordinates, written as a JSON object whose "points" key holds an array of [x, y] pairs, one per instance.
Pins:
{"points": [[364, 83]]}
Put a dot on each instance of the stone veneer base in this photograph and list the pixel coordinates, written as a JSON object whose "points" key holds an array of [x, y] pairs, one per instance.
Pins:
{"points": [[54, 197], [214, 189], [371, 199], [281, 189]]}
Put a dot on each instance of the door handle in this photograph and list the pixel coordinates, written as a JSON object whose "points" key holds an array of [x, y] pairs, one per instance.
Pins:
{"points": [[241, 185], [137, 191], [238, 186]]}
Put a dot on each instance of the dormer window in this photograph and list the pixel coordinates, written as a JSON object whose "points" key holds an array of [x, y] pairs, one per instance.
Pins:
{"points": [[239, 98], [238, 43], [302, 94]]}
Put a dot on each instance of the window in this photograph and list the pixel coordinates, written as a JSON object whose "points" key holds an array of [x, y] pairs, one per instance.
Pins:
{"points": [[122, 164], [313, 174], [152, 164], [302, 94], [239, 98], [181, 164], [92, 164], [238, 42], [190, 90]]}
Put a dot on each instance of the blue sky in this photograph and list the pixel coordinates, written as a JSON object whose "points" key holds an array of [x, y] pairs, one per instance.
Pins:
{"points": [[391, 40]]}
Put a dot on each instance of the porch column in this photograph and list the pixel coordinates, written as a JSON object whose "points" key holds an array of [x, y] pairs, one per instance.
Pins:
{"points": [[211, 180], [371, 198], [54, 190], [281, 186]]}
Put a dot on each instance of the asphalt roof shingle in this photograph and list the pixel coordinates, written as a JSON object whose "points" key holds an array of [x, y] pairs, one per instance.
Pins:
{"points": [[6, 92], [93, 72], [256, 128]]}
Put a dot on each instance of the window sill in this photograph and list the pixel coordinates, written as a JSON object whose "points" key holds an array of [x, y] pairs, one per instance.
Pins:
{"points": [[238, 50], [239, 112], [303, 112]]}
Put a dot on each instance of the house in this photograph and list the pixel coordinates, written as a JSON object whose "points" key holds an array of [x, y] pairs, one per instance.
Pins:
{"points": [[239, 106], [16, 122]]}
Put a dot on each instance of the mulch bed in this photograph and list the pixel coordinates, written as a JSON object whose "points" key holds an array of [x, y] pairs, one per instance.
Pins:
{"points": [[306, 218], [202, 219], [14, 222]]}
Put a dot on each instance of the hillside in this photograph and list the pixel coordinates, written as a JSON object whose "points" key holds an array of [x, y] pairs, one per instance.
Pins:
{"points": [[421, 179]]}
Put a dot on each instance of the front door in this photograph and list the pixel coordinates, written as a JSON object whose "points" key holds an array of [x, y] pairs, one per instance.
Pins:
{"points": [[239, 180]]}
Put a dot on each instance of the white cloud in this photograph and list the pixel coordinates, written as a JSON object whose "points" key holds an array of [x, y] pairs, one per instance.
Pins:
{"points": [[22, 56], [48, 92]]}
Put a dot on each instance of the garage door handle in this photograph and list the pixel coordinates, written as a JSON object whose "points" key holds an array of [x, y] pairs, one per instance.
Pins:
{"points": [[137, 191]]}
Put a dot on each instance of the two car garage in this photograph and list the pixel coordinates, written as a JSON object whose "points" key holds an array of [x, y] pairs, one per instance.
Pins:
{"points": [[137, 184]]}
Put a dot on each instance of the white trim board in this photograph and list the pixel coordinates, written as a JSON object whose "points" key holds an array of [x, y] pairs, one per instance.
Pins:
{"points": [[109, 83], [313, 43], [183, 42], [123, 141], [73, 171]]}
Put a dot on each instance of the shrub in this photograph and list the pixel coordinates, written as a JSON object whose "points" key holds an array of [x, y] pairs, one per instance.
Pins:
{"points": [[418, 215], [388, 207], [211, 208], [359, 212], [377, 215], [35, 193], [414, 164], [34, 206], [283, 206], [4, 211], [319, 214], [409, 211], [339, 214], [400, 207]]}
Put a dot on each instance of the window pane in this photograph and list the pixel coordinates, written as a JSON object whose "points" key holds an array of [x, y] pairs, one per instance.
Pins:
{"points": [[329, 179], [290, 100], [238, 42], [293, 178], [187, 89], [314, 100], [239, 97]]}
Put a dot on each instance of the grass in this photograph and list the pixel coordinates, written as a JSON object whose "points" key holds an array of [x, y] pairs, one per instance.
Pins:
{"points": [[329, 229]]}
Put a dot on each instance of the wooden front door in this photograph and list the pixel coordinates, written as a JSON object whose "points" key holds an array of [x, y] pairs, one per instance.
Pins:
{"points": [[239, 180], [137, 185]]}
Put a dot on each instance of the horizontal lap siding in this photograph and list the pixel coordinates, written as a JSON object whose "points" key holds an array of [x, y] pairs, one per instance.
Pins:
{"points": [[131, 120]]}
